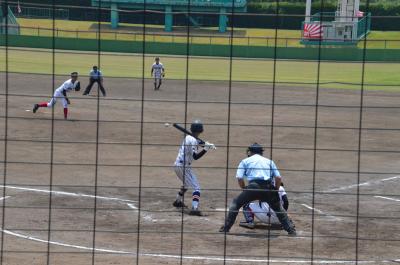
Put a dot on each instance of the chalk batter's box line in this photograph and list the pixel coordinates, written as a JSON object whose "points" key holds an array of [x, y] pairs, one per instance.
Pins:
{"points": [[245, 260]]}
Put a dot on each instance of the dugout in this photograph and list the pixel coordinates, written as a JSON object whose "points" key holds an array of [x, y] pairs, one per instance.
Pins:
{"points": [[167, 7]]}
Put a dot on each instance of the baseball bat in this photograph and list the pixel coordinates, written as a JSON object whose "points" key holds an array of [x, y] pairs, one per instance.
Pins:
{"points": [[177, 126]]}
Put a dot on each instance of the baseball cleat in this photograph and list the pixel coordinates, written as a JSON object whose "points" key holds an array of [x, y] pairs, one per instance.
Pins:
{"points": [[196, 212], [179, 204], [223, 229], [292, 232], [249, 225], [35, 108]]}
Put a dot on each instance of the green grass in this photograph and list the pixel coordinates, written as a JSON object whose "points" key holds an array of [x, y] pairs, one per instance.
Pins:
{"points": [[201, 68], [258, 37]]}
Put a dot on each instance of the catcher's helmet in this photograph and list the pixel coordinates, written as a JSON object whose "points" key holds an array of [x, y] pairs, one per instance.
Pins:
{"points": [[196, 126], [255, 149]]}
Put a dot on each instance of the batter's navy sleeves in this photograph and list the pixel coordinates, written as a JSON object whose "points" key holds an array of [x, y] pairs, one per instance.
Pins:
{"points": [[197, 156]]}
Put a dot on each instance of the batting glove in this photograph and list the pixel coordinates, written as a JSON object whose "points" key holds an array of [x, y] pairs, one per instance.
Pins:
{"points": [[208, 146]]}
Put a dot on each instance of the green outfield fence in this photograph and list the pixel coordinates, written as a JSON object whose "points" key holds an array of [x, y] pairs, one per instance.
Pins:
{"points": [[194, 38], [343, 54]]}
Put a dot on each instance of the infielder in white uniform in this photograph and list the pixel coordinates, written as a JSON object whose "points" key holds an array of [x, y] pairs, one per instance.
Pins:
{"points": [[263, 212], [61, 93], [188, 152], [158, 72]]}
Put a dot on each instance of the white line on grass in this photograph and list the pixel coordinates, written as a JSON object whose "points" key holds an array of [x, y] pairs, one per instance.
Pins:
{"points": [[387, 198]]}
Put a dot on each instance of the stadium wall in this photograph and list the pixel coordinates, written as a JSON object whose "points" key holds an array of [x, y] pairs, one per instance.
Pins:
{"points": [[334, 54]]}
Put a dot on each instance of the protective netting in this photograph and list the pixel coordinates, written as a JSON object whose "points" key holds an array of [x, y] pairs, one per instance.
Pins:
{"points": [[99, 186]]}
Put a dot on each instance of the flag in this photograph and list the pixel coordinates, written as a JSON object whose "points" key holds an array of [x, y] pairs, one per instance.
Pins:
{"points": [[19, 8], [359, 13], [313, 31]]}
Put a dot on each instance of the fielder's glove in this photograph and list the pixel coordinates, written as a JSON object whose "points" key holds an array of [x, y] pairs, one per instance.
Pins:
{"points": [[68, 101], [208, 146], [77, 86], [163, 75]]}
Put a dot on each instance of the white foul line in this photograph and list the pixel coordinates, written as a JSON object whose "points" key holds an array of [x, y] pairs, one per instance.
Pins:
{"points": [[63, 244], [321, 212], [349, 187], [178, 256], [129, 203], [68, 193], [318, 261], [3, 198], [387, 198], [146, 217], [362, 184]]}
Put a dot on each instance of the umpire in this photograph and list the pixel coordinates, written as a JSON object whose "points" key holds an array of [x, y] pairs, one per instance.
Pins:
{"points": [[264, 181], [95, 76]]}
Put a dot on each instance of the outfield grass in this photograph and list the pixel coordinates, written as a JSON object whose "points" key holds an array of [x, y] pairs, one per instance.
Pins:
{"points": [[201, 68], [258, 37]]}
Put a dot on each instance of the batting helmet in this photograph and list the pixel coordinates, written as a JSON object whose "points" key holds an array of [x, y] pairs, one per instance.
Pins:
{"points": [[196, 126], [255, 149]]}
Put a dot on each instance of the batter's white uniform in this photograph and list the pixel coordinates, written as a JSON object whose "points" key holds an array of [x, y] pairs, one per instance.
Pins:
{"points": [[264, 213], [157, 70], [183, 162], [58, 93]]}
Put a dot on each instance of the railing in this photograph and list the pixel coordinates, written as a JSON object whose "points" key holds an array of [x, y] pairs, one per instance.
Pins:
{"points": [[206, 3], [12, 24], [323, 16], [364, 26], [267, 41], [11, 18], [34, 12]]}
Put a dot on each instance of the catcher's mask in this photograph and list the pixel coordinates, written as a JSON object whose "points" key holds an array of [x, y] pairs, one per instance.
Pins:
{"points": [[196, 127], [255, 149]]}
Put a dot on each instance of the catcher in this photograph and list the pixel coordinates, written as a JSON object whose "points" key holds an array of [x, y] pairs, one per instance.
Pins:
{"points": [[61, 93], [263, 177], [263, 212]]}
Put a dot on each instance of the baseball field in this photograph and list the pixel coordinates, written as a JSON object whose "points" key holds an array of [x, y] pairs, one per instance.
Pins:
{"points": [[98, 188], [375, 76]]}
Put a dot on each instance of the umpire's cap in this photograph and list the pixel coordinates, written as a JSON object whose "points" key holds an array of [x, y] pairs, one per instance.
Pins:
{"points": [[255, 149], [196, 127]]}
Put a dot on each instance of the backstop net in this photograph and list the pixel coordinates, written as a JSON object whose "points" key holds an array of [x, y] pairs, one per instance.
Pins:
{"points": [[94, 179]]}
